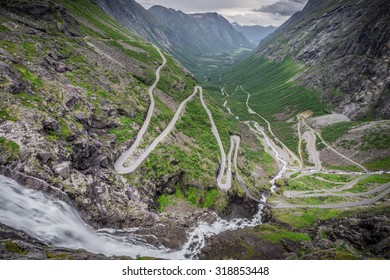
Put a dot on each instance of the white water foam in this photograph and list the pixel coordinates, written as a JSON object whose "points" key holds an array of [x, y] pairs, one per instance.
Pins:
{"points": [[58, 224]]}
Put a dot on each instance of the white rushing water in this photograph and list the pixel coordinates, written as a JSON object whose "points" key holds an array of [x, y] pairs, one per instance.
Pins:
{"points": [[282, 162], [259, 130], [59, 224]]}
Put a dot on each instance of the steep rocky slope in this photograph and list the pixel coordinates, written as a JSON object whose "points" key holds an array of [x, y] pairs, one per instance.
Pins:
{"points": [[140, 21], [201, 33], [363, 234], [74, 86], [185, 36], [332, 57], [345, 48], [73, 91], [17, 245]]}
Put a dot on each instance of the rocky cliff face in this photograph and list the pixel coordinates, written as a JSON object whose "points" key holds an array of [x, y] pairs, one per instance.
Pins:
{"points": [[60, 90], [140, 21], [360, 236], [74, 92], [184, 36], [17, 245], [74, 86], [345, 46], [201, 33]]}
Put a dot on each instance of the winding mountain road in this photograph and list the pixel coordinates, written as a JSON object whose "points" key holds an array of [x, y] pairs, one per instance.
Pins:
{"points": [[310, 137], [224, 178], [224, 181], [347, 186], [300, 140], [332, 149], [238, 176], [119, 164], [347, 194], [314, 155], [251, 111], [340, 205], [135, 164]]}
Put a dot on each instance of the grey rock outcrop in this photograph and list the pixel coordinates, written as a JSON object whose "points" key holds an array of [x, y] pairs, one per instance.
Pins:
{"points": [[200, 33], [15, 244], [345, 47]]}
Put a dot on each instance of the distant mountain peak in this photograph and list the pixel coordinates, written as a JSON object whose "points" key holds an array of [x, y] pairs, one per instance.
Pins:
{"points": [[344, 52], [255, 33], [181, 34]]}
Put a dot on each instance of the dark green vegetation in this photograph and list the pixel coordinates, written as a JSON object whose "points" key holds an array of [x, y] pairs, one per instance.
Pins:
{"points": [[59, 256], [273, 94], [80, 85], [5, 115], [4, 29], [381, 164], [334, 177], [318, 200], [369, 183], [255, 158], [333, 132], [173, 82], [27, 75], [208, 67], [375, 139], [309, 183], [351, 168], [363, 137], [299, 218], [276, 234], [13, 247], [207, 198], [271, 88], [9, 148], [124, 132]]}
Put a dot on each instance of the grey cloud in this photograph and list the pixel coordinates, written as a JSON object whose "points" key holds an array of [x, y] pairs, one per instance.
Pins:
{"points": [[199, 5], [235, 10], [284, 8]]}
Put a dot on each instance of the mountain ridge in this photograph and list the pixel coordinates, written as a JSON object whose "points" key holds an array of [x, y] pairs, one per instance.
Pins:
{"points": [[205, 32], [75, 86], [187, 36], [80, 89], [255, 33], [320, 38]]}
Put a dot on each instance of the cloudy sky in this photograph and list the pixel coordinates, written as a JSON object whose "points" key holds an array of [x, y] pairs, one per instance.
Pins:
{"points": [[248, 12]]}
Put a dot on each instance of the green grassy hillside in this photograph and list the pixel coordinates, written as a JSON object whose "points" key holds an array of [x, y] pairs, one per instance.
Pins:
{"points": [[272, 88], [76, 81], [274, 94]]}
